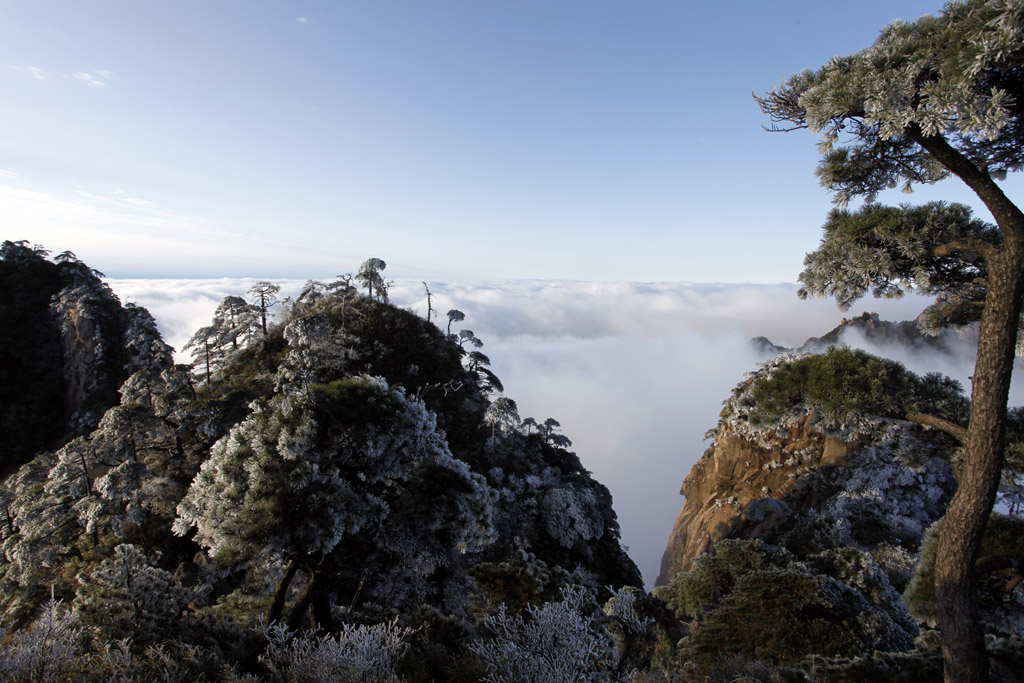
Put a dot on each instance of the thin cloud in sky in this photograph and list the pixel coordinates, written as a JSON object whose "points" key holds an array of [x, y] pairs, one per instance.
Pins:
{"points": [[302, 20], [131, 234], [97, 79]]}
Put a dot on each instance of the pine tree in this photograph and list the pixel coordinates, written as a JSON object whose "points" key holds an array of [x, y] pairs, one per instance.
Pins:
{"points": [[929, 100]]}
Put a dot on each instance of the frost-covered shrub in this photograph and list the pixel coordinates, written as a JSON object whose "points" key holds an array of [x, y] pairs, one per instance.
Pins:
{"points": [[557, 642], [127, 596], [622, 607], [570, 514], [43, 651], [318, 351], [758, 601], [886, 493], [118, 661], [842, 384], [846, 391], [363, 654]]}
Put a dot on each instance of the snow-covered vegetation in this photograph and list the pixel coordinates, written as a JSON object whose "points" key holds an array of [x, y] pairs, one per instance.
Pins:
{"points": [[349, 495]]}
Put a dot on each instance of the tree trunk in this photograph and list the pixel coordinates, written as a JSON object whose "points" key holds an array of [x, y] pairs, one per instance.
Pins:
{"points": [[322, 607], [963, 644], [302, 606], [277, 609]]}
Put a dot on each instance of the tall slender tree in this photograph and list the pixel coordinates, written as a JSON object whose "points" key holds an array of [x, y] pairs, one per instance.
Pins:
{"points": [[264, 295], [942, 97], [370, 275]]}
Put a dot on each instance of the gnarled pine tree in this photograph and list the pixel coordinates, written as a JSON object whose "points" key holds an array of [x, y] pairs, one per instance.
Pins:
{"points": [[932, 99]]}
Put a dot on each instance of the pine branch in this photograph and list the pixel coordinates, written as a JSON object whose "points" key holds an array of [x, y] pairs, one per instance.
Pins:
{"points": [[953, 429]]}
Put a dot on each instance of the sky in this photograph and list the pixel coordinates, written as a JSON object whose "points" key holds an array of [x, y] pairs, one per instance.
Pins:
{"points": [[573, 139], [589, 180]]}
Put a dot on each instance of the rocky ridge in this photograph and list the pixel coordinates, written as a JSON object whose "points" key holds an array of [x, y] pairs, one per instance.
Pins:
{"points": [[877, 482], [66, 346]]}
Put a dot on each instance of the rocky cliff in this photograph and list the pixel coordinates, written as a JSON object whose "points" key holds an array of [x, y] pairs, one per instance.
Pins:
{"points": [[66, 346], [872, 481]]}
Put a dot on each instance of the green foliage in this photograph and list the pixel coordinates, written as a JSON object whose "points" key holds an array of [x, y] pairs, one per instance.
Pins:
{"points": [[1003, 540], [714, 575], [777, 616], [845, 383], [756, 601], [955, 75], [354, 401], [891, 250]]}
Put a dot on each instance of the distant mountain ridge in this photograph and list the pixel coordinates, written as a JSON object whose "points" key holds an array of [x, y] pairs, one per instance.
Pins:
{"points": [[906, 335]]}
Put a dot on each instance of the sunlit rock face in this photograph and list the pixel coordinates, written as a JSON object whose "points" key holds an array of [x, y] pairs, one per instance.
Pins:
{"points": [[875, 483]]}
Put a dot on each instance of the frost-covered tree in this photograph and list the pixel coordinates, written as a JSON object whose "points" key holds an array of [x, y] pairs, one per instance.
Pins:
{"points": [[235, 324], [203, 346], [105, 478], [454, 316], [351, 484], [931, 99], [312, 292], [44, 651], [467, 337], [548, 433], [557, 642], [502, 416], [264, 295], [370, 276], [477, 362], [128, 596]]}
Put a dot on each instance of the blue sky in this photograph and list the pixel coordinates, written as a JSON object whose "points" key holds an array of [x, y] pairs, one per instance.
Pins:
{"points": [[591, 140]]}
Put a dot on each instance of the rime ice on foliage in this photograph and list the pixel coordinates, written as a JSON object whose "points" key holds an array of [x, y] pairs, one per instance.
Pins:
{"points": [[353, 462], [236, 324], [127, 596], [143, 342], [556, 642], [363, 653], [570, 515], [45, 650], [369, 276], [317, 350], [622, 607], [502, 416], [103, 478]]}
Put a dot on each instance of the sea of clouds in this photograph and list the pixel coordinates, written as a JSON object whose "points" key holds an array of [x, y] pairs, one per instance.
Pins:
{"points": [[635, 372]]}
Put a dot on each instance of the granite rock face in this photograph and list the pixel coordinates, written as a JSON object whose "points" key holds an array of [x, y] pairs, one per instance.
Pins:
{"points": [[66, 346], [876, 485]]}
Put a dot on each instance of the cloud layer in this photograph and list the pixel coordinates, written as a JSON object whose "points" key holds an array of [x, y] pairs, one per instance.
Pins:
{"points": [[635, 372]]}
